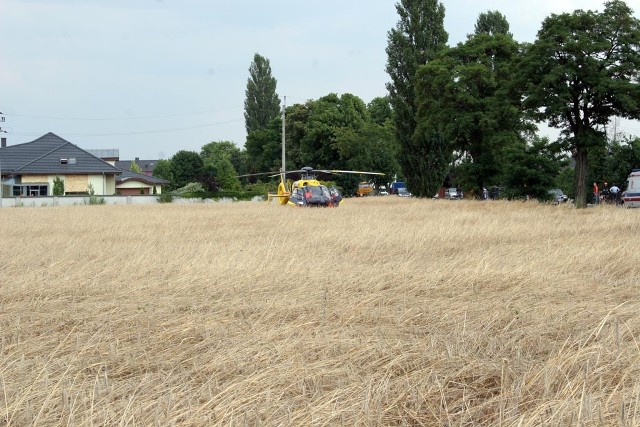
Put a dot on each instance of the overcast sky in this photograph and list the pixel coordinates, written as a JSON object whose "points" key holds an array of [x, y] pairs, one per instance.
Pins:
{"points": [[152, 77]]}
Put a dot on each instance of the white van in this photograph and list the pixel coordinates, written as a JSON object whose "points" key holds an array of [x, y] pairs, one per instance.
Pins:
{"points": [[631, 196]]}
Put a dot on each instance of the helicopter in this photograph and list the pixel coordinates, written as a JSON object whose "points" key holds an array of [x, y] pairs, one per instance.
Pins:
{"points": [[307, 190]]}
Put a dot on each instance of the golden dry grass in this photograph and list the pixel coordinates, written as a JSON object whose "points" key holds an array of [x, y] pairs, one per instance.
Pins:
{"points": [[382, 312]]}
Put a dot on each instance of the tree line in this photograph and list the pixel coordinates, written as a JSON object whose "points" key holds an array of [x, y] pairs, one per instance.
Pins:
{"points": [[463, 115]]}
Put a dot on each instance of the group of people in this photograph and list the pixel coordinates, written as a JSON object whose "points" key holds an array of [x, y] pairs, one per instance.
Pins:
{"points": [[606, 194]]}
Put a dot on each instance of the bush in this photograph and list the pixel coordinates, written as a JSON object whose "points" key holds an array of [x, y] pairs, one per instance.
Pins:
{"points": [[58, 186], [93, 199], [190, 188], [165, 198]]}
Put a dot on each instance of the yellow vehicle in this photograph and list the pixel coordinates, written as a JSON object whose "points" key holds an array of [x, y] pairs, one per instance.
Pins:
{"points": [[365, 188]]}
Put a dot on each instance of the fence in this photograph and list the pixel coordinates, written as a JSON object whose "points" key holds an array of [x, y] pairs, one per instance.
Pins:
{"points": [[42, 201]]}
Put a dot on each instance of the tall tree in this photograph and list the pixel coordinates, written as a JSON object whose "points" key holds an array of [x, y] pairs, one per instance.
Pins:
{"points": [[263, 148], [380, 110], [187, 166], [262, 103], [467, 96], [584, 68], [492, 22], [418, 36], [329, 117], [531, 169]]}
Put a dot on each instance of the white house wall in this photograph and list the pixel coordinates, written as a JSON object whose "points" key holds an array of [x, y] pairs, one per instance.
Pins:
{"points": [[138, 185], [103, 185]]}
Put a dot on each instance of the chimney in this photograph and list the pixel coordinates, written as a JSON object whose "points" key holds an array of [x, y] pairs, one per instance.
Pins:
{"points": [[3, 142], [137, 160]]}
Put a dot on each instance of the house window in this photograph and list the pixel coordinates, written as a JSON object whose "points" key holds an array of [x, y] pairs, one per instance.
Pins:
{"points": [[64, 161], [30, 190], [72, 160]]}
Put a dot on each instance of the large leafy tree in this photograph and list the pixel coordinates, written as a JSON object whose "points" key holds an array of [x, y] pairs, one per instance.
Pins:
{"points": [[371, 148], [262, 103], [418, 36], [531, 169], [613, 163], [329, 119], [339, 132], [226, 175], [164, 170], [187, 166], [492, 22], [583, 69], [218, 150], [466, 95], [380, 110]]}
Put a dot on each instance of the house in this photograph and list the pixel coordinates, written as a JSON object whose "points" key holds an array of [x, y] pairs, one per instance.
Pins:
{"points": [[131, 183], [29, 169], [146, 166]]}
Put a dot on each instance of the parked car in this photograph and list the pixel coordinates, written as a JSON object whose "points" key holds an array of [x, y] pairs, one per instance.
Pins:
{"points": [[382, 191], [403, 192], [452, 194], [395, 186], [365, 188], [558, 195]]}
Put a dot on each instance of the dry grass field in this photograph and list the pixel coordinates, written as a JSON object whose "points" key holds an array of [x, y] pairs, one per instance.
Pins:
{"points": [[385, 311]]}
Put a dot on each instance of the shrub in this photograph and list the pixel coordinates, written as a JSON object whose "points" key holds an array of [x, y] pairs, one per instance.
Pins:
{"points": [[165, 198], [190, 188], [93, 199], [58, 186]]}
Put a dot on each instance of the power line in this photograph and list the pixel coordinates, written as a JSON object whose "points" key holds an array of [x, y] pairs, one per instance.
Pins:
{"points": [[137, 132], [121, 118]]}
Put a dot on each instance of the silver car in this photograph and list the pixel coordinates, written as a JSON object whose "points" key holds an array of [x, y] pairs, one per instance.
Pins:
{"points": [[403, 192]]}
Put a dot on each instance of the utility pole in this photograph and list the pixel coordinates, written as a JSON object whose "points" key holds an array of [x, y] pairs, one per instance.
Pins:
{"points": [[284, 167], [3, 140]]}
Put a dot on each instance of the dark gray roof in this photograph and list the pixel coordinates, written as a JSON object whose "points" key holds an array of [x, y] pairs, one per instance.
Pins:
{"points": [[145, 165], [132, 176], [47, 154]]}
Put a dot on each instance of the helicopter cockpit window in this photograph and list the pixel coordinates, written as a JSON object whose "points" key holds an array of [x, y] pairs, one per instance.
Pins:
{"points": [[313, 191]]}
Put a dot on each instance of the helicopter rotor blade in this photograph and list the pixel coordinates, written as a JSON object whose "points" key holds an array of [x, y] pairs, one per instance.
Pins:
{"points": [[272, 174], [256, 174], [354, 172]]}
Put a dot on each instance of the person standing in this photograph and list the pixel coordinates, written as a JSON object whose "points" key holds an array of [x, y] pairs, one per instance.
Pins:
{"points": [[596, 195], [615, 193]]}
